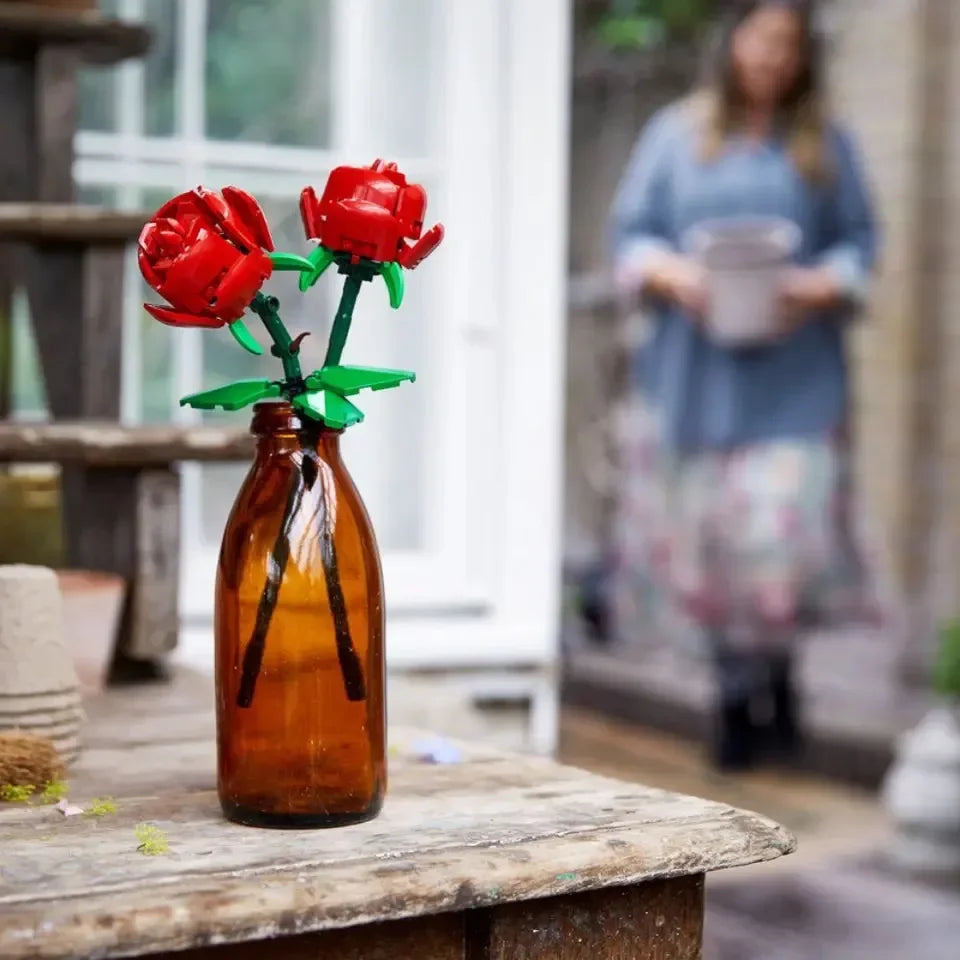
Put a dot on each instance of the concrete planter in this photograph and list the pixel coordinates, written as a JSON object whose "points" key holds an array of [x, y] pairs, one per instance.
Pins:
{"points": [[922, 794], [92, 604], [38, 683]]}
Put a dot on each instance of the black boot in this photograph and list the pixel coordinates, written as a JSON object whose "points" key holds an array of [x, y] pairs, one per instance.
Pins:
{"points": [[785, 737], [735, 737], [736, 740]]}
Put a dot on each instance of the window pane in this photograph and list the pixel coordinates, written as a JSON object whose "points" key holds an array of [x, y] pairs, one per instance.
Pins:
{"points": [[268, 71], [99, 85], [29, 395], [97, 100], [159, 92], [97, 88], [409, 49]]}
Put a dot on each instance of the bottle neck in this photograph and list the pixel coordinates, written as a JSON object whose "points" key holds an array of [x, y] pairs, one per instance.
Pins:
{"points": [[280, 429]]}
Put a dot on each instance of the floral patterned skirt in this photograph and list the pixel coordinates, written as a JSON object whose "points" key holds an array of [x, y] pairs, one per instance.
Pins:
{"points": [[752, 545]]}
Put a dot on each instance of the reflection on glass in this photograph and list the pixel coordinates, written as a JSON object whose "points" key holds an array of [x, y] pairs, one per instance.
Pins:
{"points": [[268, 71]]}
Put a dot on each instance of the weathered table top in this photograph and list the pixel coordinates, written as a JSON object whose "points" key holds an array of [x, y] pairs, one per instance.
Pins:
{"points": [[492, 829]]}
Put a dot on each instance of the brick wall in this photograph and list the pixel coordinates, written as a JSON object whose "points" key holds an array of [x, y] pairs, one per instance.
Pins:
{"points": [[941, 224], [896, 81], [876, 64]]}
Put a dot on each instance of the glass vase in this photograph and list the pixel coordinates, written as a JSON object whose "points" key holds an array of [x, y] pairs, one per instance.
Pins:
{"points": [[299, 637]]}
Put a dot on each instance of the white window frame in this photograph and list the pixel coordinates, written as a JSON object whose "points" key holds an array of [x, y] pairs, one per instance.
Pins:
{"points": [[485, 587]]}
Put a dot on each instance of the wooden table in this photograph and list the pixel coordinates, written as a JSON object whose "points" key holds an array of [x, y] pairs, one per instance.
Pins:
{"points": [[498, 857]]}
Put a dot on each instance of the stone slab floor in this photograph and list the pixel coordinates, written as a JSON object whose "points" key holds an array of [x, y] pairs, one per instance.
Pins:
{"points": [[835, 899]]}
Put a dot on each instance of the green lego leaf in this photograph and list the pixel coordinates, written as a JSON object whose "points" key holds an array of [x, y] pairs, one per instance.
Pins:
{"points": [[244, 337], [335, 411], [393, 277], [290, 261], [319, 260], [350, 380], [232, 396]]}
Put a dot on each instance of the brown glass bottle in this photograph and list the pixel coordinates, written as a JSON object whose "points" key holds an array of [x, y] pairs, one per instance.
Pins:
{"points": [[299, 637]]}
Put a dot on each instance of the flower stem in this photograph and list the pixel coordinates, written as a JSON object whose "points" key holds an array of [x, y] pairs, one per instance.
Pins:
{"points": [[341, 323], [351, 668], [266, 308], [276, 567]]}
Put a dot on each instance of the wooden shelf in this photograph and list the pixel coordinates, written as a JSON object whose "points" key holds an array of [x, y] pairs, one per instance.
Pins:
{"points": [[25, 27], [69, 223], [95, 444]]}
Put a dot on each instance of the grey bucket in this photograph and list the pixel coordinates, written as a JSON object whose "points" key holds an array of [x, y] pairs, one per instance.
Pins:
{"points": [[744, 259]]}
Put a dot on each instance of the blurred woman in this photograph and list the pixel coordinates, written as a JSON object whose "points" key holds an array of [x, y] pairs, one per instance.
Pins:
{"points": [[737, 493]]}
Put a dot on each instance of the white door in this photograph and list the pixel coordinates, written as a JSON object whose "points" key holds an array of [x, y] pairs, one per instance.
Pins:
{"points": [[461, 470]]}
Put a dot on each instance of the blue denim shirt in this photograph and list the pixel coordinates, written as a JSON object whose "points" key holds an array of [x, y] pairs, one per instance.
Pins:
{"points": [[714, 397]]}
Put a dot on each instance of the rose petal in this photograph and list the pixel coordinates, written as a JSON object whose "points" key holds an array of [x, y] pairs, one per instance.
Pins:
{"points": [[248, 212]]}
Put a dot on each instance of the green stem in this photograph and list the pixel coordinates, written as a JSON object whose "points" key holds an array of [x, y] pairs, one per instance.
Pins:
{"points": [[341, 323], [266, 308]]}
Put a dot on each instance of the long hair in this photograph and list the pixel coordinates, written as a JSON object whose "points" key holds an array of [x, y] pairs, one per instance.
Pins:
{"points": [[802, 110]]}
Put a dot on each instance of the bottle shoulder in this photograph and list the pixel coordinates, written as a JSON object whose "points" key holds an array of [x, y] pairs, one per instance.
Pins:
{"points": [[301, 505]]}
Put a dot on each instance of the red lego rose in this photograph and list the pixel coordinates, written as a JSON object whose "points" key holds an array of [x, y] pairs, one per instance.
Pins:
{"points": [[203, 252], [370, 212]]}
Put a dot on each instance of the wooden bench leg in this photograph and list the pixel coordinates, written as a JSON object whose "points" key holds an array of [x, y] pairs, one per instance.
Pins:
{"points": [[76, 303], [127, 521]]}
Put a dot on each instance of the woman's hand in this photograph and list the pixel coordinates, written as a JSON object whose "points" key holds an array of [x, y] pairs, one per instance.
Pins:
{"points": [[678, 279], [806, 290]]}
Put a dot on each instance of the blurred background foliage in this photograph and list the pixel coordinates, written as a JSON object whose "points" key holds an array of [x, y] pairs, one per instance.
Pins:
{"points": [[644, 24]]}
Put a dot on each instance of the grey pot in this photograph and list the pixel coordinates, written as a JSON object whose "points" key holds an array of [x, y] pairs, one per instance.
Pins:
{"points": [[922, 795]]}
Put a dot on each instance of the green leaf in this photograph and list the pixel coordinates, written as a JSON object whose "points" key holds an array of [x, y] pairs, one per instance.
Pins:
{"points": [[329, 407], [350, 380], [393, 277], [319, 259], [232, 396], [244, 337], [291, 261]]}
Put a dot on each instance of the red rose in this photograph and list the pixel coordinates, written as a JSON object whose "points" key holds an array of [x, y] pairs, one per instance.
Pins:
{"points": [[370, 212], [204, 253]]}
